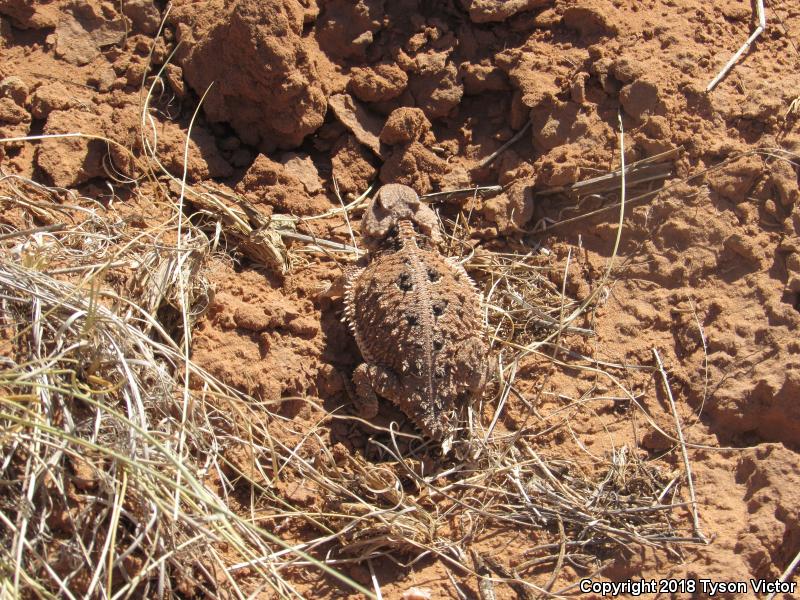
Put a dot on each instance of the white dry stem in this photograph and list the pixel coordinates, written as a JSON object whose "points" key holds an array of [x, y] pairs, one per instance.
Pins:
{"points": [[787, 573], [762, 26], [684, 452]]}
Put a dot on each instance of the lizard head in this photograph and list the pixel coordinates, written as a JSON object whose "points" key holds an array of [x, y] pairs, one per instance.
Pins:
{"points": [[392, 204]]}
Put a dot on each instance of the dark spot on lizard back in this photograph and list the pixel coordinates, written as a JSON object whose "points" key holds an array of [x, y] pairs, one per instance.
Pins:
{"points": [[404, 282]]}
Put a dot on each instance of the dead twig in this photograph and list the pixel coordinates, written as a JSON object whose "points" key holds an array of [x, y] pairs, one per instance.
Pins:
{"points": [[762, 26], [787, 573], [684, 453], [505, 146]]}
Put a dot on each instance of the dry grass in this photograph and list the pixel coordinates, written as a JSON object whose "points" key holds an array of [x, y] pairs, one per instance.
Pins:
{"points": [[112, 485]]}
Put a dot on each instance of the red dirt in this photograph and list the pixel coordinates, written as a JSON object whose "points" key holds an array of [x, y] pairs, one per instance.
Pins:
{"points": [[708, 271]]}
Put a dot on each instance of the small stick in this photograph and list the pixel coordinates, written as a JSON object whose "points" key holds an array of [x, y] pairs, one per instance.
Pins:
{"points": [[786, 574], [31, 231], [461, 595], [762, 26], [638, 174], [319, 241], [375, 584], [512, 578], [561, 553], [485, 584], [693, 500], [104, 265], [431, 197], [344, 210], [505, 146]]}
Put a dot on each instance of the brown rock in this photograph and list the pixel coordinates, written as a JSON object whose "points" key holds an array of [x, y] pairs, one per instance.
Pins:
{"points": [[73, 160], [404, 126], [15, 88], [12, 113], [784, 177], [554, 172], [415, 166], [30, 15], [745, 246], [654, 136], [641, 98], [310, 10], [735, 179], [591, 17], [144, 15], [102, 78], [269, 182], [82, 31], [378, 83], [14, 122], [346, 28], [362, 124], [174, 75], [302, 167], [771, 477], [557, 125], [352, 166], [435, 84], [204, 158], [50, 97], [512, 209], [484, 11], [264, 81], [479, 78], [533, 73], [627, 70]]}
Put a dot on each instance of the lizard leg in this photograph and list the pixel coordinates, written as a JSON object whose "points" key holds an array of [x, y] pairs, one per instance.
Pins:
{"points": [[372, 381], [366, 399]]}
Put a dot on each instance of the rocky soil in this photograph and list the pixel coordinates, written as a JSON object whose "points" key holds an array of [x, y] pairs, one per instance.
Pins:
{"points": [[304, 97]]}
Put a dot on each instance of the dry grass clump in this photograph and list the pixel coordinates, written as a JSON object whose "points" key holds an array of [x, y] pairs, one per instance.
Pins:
{"points": [[111, 467]]}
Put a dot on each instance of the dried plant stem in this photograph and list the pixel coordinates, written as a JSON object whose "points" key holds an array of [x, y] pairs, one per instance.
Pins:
{"points": [[652, 168], [375, 584], [684, 452], [762, 26], [505, 146], [787, 573]]}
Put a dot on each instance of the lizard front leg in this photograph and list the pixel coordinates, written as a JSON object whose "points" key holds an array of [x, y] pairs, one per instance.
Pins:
{"points": [[371, 381]]}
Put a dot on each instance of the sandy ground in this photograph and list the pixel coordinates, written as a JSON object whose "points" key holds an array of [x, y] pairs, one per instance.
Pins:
{"points": [[306, 92]]}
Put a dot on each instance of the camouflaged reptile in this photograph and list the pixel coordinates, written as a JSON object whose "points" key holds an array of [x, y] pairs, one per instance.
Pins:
{"points": [[416, 317]]}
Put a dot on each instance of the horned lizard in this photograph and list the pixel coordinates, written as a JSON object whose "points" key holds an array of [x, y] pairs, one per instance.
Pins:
{"points": [[416, 317]]}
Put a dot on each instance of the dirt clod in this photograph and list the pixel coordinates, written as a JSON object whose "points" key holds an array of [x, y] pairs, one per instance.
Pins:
{"points": [[255, 56], [405, 125], [379, 83], [14, 88], [483, 11]]}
